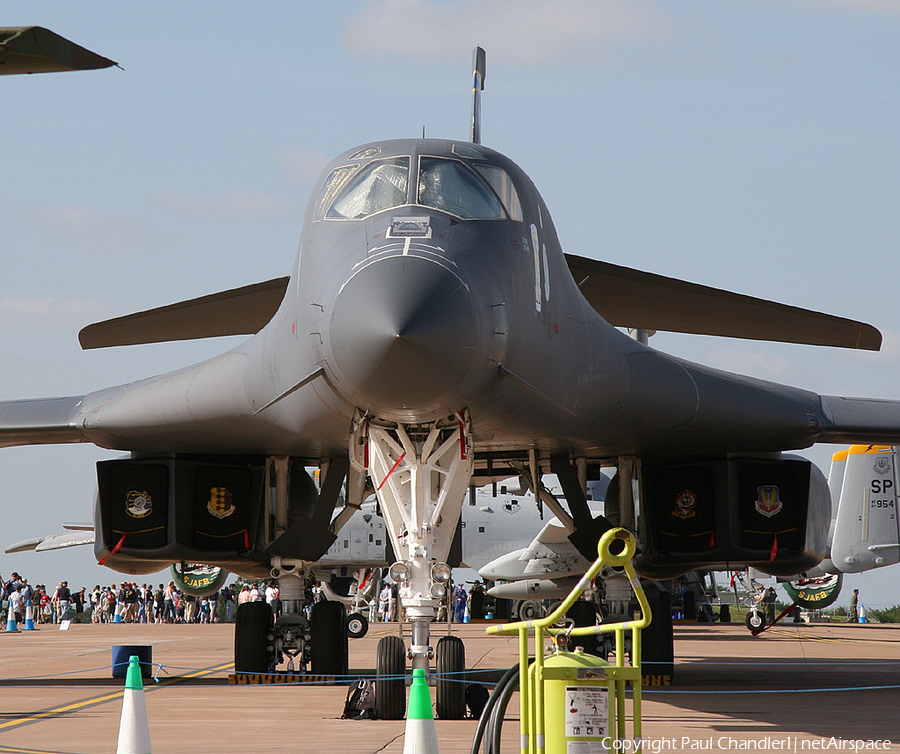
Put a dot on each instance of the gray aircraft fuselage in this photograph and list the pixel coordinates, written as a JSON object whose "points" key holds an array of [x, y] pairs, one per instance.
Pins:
{"points": [[430, 286], [413, 323]]}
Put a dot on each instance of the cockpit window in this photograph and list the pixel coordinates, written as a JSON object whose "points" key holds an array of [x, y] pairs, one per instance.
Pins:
{"points": [[450, 186], [380, 185], [504, 188], [334, 183]]}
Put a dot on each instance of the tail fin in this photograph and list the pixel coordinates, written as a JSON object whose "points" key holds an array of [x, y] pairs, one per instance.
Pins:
{"points": [[866, 533]]}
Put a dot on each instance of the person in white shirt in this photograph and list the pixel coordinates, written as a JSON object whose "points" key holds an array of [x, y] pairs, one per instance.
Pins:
{"points": [[272, 593], [15, 603]]}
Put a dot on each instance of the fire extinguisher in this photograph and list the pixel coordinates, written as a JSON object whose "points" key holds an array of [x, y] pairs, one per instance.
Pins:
{"points": [[576, 703]]}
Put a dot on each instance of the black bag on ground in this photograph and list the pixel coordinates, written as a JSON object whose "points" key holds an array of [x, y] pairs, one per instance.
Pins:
{"points": [[476, 697], [360, 701]]}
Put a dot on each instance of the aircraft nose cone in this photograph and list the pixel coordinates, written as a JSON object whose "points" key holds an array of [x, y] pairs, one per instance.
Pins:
{"points": [[404, 331]]}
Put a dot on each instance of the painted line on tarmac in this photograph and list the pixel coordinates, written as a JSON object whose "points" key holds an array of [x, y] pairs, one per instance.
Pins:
{"points": [[788, 633], [98, 700], [17, 750]]}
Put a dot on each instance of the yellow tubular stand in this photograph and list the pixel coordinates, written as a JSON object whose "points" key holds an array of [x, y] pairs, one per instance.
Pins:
{"points": [[533, 717]]}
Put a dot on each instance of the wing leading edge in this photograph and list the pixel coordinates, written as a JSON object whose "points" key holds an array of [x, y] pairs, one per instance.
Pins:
{"points": [[42, 421], [625, 297], [239, 311], [34, 49]]}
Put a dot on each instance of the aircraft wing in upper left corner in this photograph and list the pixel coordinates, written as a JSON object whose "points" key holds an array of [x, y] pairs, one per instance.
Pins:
{"points": [[34, 49]]}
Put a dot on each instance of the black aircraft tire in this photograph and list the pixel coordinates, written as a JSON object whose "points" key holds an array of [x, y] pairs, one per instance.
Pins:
{"points": [[329, 654], [390, 680], [450, 663], [584, 614], [357, 625], [252, 623], [755, 620]]}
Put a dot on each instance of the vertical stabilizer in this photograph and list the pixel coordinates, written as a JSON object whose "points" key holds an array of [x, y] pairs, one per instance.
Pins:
{"points": [[477, 87], [866, 534]]}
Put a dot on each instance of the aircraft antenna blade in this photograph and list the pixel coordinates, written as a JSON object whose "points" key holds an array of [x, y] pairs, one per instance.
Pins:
{"points": [[478, 64]]}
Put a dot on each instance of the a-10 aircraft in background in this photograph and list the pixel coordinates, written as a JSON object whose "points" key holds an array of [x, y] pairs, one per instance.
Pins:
{"points": [[431, 336], [863, 535]]}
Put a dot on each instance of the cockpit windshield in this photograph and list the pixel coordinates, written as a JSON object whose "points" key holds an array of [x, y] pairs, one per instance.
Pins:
{"points": [[380, 185], [450, 186]]}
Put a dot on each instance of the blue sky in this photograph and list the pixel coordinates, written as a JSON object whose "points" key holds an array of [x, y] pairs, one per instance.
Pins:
{"points": [[750, 145]]}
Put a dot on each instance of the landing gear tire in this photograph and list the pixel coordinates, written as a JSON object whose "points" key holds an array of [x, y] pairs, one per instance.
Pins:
{"points": [[390, 680], [450, 662], [328, 632], [552, 609], [357, 625], [755, 621], [252, 625], [530, 610]]}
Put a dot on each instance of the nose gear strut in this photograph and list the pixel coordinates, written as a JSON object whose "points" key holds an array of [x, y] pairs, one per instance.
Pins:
{"points": [[421, 473]]}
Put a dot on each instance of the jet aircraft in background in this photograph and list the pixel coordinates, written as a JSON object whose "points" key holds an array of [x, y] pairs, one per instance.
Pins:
{"points": [[431, 336]]}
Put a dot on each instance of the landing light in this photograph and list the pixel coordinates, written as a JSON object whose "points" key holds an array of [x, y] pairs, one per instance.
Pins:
{"points": [[399, 571], [438, 591], [440, 572]]}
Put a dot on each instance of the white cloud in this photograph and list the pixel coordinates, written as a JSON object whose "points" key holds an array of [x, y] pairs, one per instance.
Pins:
{"points": [[516, 31], [237, 204], [91, 230]]}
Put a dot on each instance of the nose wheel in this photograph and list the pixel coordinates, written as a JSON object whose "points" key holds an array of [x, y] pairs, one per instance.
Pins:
{"points": [[450, 660], [390, 681]]}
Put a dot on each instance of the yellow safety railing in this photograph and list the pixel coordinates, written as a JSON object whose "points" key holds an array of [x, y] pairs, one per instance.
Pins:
{"points": [[531, 692]]}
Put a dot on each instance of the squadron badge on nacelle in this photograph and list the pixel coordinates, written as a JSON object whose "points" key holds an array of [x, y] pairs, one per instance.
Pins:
{"points": [[768, 502], [138, 503], [219, 504]]}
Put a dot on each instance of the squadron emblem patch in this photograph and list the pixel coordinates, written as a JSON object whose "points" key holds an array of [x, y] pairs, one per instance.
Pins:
{"points": [[768, 502], [882, 465], [685, 505], [220, 504], [138, 503]]}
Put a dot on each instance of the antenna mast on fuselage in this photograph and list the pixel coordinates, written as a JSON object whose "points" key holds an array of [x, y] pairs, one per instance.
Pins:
{"points": [[478, 59]]}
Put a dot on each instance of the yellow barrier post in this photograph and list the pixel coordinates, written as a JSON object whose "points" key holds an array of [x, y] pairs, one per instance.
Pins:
{"points": [[588, 671]]}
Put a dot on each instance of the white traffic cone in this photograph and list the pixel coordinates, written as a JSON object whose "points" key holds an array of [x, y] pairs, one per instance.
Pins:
{"points": [[11, 626], [421, 735], [134, 733], [29, 617]]}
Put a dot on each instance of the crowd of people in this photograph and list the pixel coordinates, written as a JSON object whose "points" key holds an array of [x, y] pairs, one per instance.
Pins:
{"points": [[142, 603], [128, 602]]}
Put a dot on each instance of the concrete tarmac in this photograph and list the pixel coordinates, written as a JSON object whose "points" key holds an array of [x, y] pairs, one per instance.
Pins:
{"points": [[794, 688]]}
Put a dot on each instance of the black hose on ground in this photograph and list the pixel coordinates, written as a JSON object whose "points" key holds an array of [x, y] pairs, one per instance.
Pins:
{"points": [[490, 723]]}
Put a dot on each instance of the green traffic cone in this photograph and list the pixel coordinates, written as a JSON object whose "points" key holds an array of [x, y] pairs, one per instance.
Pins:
{"points": [[134, 732], [421, 735], [133, 679]]}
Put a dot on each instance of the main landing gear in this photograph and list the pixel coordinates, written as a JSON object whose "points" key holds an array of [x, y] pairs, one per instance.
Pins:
{"points": [[318, 644]]}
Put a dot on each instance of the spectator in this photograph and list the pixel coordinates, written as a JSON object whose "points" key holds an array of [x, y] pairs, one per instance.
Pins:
{"points": [[78, 601], [159, 604], [272, 593], [63, 598]]}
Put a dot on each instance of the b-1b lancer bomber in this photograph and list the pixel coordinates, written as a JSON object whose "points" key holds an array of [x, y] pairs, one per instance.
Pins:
{"points": [[432, 336]]}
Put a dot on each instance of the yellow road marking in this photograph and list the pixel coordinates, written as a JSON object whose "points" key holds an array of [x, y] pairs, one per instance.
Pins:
{"points": [[101, 700]]}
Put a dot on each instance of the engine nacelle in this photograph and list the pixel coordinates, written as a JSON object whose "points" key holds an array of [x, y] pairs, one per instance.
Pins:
{"points": [[152, 512], [771, 514]]}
